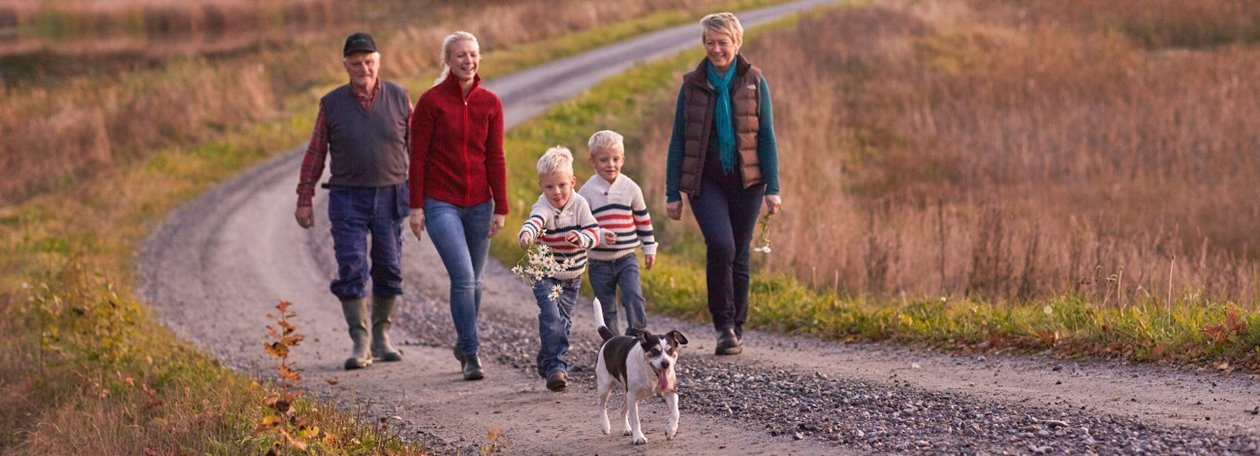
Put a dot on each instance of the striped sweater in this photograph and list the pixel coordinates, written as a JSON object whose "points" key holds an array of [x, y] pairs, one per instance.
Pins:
{"points": [[619, 207], [555, 224]]}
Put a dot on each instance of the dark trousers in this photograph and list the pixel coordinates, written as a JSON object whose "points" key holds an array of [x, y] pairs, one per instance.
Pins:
{"points": [[727, 215], [357, 214]]}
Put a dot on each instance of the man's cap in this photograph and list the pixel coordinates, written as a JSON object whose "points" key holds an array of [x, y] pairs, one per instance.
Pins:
{"points": [[359, 42]]}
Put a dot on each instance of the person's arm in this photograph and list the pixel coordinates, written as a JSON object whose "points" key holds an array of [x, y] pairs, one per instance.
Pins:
{"points": [[312, 170], [642, 221], [533, 225], [420, 138], [643, 227], [673, 162], [767, 147], [496, 163], [588, 235]]}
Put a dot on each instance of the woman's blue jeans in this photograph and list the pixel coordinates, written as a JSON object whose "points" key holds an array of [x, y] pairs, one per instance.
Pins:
{"points": [[462, 238]]}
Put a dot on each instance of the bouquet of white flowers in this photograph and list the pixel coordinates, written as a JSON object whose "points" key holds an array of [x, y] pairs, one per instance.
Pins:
{"points": [[538, 263]]}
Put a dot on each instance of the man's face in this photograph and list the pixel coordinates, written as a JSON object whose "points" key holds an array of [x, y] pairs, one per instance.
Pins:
{"points": [[362, 67]]}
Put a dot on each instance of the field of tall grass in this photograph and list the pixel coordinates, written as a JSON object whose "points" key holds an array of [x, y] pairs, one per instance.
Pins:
{"points": [[1015, 151], [54, 133]]}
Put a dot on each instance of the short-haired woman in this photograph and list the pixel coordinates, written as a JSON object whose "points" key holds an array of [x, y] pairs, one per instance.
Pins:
{"points": [[722, 154]]}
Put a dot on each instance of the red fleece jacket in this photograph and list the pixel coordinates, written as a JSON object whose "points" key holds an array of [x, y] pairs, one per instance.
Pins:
{"points": [[457, 147]]}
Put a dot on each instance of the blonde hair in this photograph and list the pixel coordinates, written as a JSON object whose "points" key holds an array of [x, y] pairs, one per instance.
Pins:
{"points": [[556, 159], [723, 22], [606, 139], [446, 51]]}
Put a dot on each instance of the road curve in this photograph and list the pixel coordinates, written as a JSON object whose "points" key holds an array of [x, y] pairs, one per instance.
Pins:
{"points": [[215, 268]]}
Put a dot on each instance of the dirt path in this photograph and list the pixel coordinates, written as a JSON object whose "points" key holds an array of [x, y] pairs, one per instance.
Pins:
{"points": [[217, 266]]}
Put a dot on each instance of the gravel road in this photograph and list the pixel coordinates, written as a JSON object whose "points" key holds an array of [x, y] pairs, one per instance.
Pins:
{"points": [[214, 269]]}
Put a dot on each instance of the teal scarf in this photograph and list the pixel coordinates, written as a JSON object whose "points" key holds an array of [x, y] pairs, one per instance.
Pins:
{"points": [[725, 128]]}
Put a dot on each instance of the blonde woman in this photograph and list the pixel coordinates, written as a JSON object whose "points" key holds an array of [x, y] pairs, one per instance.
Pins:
{"points": [[723, 155], [458, 182]]}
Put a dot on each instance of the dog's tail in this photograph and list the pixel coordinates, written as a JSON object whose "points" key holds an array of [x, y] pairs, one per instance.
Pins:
{"points": [[604, 332]]}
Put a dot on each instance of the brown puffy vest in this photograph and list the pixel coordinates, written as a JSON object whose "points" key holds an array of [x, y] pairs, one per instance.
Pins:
{"points": [[698, 113]]}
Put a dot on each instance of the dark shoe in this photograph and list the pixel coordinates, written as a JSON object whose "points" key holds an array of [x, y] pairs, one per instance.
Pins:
{"points": [[472, 367], [382, 313], [557, 381], [728, 343], [458, 356]]}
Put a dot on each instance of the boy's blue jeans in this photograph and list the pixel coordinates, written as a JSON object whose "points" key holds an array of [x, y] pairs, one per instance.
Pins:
{"points": [[554, 321], [606, 277], [357, 213], [461, 236]]}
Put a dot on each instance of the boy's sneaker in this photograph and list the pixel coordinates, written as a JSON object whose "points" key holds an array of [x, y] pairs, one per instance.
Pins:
{"points": [[557, 381]]}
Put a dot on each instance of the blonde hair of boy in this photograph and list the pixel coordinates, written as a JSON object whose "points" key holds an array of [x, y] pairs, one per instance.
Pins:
{"points": [[723, 23], [606, 139], [446, 51], [556, 159]]}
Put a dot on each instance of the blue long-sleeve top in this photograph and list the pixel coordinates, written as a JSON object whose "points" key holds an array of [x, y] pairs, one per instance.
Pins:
{"points": [[767, 149]]}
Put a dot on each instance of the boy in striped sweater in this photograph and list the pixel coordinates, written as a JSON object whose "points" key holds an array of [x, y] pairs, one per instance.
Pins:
{"points": [[618, 206], [561, 220]]}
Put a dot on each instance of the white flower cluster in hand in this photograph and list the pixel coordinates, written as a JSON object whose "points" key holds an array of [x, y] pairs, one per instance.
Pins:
{"points": [[538, 263], [764, 237]]}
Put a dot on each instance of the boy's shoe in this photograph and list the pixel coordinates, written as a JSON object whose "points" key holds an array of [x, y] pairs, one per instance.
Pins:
{"points": [[557, 381], [728, 343]]}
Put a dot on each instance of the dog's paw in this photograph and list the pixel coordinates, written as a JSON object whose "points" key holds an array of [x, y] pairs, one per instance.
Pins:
{"points": [[606, 429], [639, 440], [626, 432], [669, 435]]}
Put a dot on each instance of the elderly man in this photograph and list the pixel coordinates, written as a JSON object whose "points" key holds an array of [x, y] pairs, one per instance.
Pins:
{"points": [[362, 127]]}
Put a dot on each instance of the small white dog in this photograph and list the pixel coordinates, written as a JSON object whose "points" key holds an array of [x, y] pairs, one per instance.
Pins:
{"points": [[644, 366]]}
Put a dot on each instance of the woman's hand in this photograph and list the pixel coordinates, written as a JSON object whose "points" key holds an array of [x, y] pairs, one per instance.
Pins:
{"points": [[673, 209], [417, 222], [496, 224], [773, 203]]}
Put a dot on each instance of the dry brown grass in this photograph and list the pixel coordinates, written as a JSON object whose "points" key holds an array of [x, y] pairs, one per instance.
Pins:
{"points": [[949, 148], [52, 134]]}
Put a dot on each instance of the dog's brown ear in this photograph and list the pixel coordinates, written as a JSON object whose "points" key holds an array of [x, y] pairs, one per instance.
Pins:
{"points": [[677, 336], [644, 336]]}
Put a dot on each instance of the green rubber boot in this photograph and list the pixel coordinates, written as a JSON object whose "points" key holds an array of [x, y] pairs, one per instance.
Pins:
{"points": [[356, 312], [382, 310]]}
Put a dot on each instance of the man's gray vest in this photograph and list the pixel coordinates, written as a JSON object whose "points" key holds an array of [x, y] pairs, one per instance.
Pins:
{"points": [[368, 147]]}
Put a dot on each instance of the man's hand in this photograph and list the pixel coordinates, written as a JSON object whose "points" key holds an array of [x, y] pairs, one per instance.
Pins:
{"points": [[648, 261], [525, 240], [673, 209], [610, 238], [773, 203], [305, 216], [417, 222], [496, 224]]}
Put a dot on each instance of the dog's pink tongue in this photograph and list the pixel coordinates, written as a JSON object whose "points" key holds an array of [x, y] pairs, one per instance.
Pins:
{"points": [[663, 377]]}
